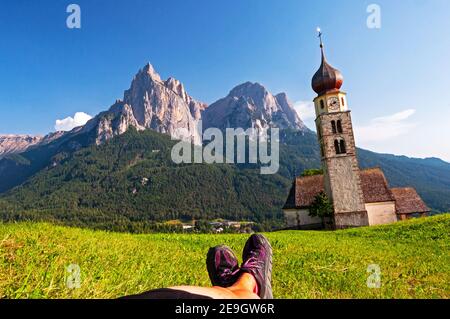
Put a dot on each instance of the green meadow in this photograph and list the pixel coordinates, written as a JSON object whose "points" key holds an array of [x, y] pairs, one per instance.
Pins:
{"points": [[413, 257]]}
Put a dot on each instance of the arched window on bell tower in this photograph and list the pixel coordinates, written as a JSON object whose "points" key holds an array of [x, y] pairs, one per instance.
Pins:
{"points": [[322, 105], [339, 146], [342, 147], [333, 127], [339, 126]]}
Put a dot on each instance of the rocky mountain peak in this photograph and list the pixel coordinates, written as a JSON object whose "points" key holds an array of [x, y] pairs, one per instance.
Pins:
{"points": [[151, 103], [150, 71], [249, 89], [13, 144], [176, 86], [10, 143], [289, 111], [252, 105]]}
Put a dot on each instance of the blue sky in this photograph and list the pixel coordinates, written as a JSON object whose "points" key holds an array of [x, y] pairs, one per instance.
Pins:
{"points": [[396, 77]]}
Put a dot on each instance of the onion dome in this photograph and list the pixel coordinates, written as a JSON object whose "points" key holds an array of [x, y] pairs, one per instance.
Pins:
{"points": [[326, 78]]}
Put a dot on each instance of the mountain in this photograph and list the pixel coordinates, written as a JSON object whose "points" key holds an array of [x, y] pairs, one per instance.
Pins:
{"points": [[162, 106], [150, 103], [118, 166], [14, 144], [251, 105], [10, 144], [430, 176]]}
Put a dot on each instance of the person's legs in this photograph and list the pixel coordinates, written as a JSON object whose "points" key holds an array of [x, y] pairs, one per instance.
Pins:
{"points": [[254, 276], [244, 288], [251, 281]]}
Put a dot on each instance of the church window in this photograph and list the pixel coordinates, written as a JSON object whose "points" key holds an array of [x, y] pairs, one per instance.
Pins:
{"points": [[343, 101], [322, 105], [339, 146], [339, 126], [342, 147], [333, 127]]}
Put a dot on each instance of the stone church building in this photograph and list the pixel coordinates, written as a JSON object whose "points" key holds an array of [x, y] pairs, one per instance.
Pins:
{"points": [[359, 197]]}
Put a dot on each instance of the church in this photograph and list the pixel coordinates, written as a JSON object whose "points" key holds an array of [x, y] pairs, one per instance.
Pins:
{"points": [[359, 197]]}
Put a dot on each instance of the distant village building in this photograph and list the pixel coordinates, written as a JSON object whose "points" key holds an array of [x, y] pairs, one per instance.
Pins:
{"points": [[359, 197]]}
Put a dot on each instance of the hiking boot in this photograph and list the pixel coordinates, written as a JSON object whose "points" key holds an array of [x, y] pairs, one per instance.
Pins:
{"points": [[223, 266], [257, 257]]}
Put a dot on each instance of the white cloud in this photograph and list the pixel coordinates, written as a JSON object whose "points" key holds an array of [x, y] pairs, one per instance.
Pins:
{"points": [[386, 127], [305, 109], [67, 124], [306, 112], [397, 117]]}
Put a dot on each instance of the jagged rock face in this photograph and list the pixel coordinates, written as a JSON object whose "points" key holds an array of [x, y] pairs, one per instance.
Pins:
{"points": [[117, 120], [10, 144], [197, 109], [289, 114], [151, 103], [250, 105], [165, 107], [14, 144]]}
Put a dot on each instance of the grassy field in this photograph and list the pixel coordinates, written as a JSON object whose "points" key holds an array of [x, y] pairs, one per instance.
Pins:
{"points": [[414, 258]]}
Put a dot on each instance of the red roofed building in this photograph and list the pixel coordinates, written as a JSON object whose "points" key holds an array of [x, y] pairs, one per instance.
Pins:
{"points": [[359, 197], [383, 205], [409, 203]]}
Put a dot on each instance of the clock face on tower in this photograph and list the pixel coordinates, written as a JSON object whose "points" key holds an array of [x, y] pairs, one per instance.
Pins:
{"points": [[333, 104]]}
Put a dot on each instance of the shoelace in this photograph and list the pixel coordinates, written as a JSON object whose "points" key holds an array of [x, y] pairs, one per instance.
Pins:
{"points": [[228, 272], [253, 262]]}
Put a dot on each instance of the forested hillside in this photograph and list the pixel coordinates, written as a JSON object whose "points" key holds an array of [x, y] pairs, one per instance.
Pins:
{"points": [[131, 179]]}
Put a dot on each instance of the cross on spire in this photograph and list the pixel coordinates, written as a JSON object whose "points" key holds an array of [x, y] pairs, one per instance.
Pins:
{"points": [[320, 36]]}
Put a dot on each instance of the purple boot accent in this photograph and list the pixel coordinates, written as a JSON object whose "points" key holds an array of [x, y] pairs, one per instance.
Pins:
{"points": [[223, 266], [257, 258]]}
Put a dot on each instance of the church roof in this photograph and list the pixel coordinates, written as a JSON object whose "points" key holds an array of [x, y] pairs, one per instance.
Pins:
{"points": [[407, 201], [304, 190], [375, 186], [326, 78], [373, 183]]}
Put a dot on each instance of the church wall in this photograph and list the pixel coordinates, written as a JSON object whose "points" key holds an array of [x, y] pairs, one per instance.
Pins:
{"points": [[299, 218], [290, 216], [345, 184], [342, 180], [381, 213], [349, 220]]}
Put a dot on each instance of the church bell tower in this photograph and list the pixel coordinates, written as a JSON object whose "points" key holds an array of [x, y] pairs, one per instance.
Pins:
{"points": [[338, 150]]}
